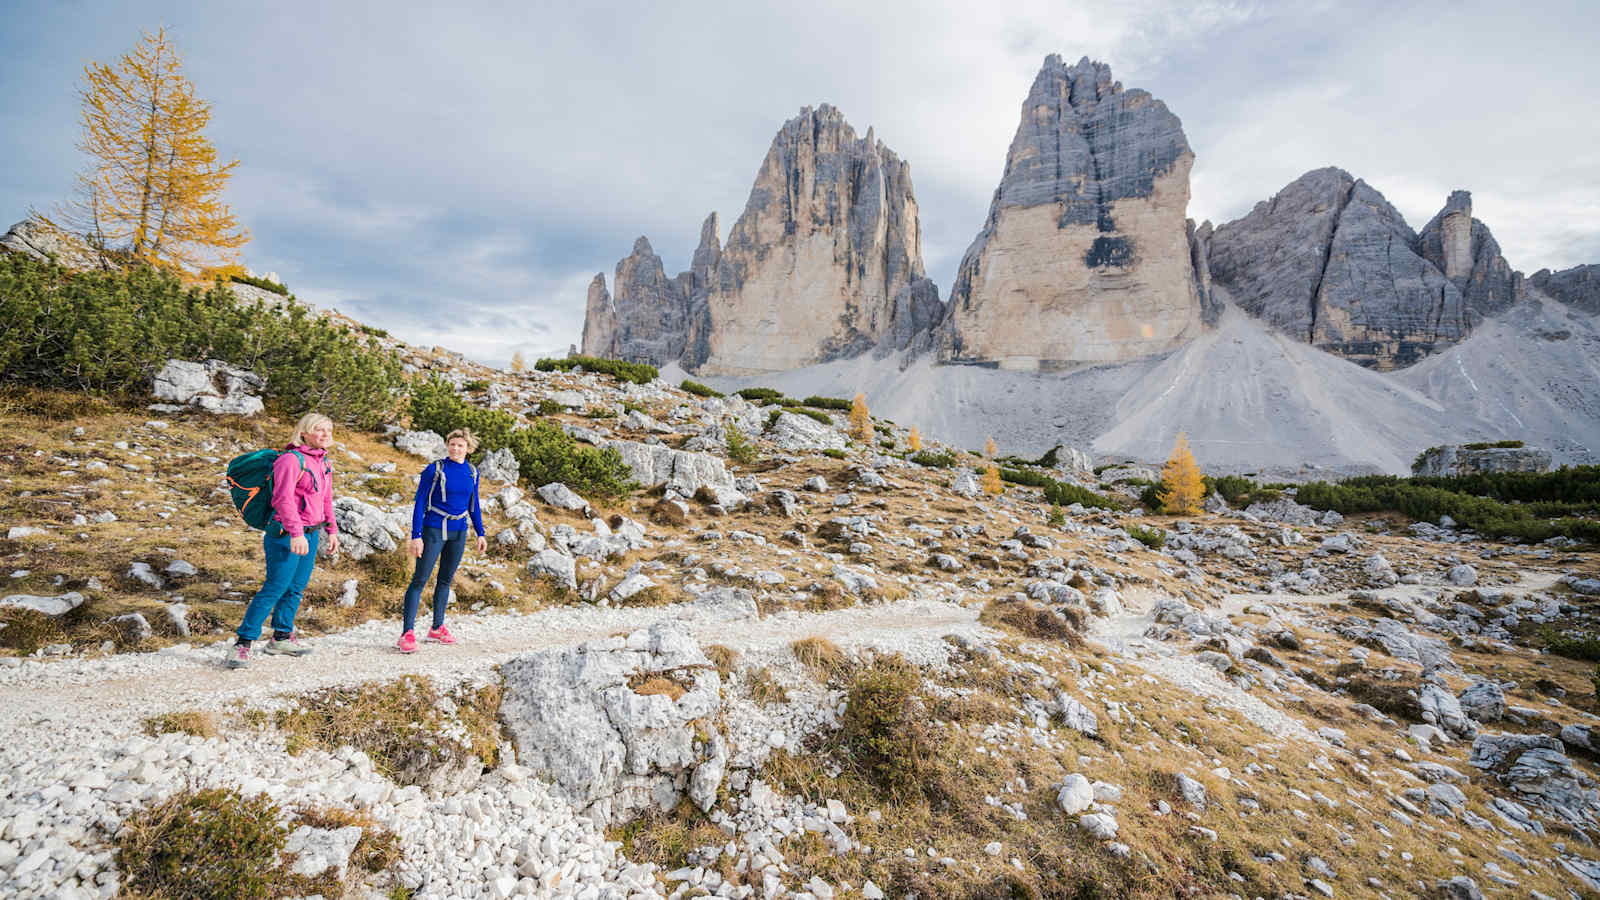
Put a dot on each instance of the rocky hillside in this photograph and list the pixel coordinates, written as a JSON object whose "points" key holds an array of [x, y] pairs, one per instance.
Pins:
{"points": [[810, 667]]}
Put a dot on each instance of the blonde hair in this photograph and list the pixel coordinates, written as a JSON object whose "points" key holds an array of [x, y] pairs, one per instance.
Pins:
{"points": [[308, 422], [466, 435]]}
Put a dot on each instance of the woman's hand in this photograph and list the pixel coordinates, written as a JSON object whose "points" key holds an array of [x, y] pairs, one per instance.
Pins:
{"points": [[483, 544], [299, 546], [414, 547], [333, 543]]}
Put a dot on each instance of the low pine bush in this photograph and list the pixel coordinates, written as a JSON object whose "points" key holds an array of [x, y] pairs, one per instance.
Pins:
{"points": [[261, 283], [838, 403], [761, 395], [636, 372], [1065, 494], [698, 389], [1153, 538], [934, 459], [107, 333], [544, 451], [820, 417], [1027, 477], [1422, 501], [740, 449]]}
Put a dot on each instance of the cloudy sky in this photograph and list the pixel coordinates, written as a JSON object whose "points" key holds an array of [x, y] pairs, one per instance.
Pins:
{"points": [[457, 174]]}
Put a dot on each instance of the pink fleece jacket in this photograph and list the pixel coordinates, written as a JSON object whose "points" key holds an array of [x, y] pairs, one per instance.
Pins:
{"points": [[303, 499]]}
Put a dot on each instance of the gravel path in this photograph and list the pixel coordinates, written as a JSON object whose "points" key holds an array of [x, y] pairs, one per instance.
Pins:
{"points": [[1124, 635], [81, 699]]}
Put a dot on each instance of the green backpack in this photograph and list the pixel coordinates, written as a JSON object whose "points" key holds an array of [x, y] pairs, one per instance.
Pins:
{"points": [[250, 484]]}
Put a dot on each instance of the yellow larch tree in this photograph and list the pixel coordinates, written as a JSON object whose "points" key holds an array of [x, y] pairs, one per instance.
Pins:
{"points": [[915, 440], [989, 449], [860, 420], [153, 188], [991, 482], [519, 363], [1182, 485]]}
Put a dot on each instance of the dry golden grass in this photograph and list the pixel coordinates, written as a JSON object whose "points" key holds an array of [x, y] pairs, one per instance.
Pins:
{"points": [[199, 723], [822, 656], [723, 657], [763, 688], [658, 685]]}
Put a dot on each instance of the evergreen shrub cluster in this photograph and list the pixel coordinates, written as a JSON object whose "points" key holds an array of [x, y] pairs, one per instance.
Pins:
{"points": [[544, 452], [827, 403], [107, 333], [1426, 503], [261, 283], [1493, 445], [638, 373], [761, 395], [934, 459], [1065, 494], [698, 389]]}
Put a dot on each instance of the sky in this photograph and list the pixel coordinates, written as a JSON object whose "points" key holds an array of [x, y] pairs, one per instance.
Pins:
{"points": [[458, 174]]}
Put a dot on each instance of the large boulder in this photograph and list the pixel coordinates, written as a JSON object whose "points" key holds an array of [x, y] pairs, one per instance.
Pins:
{"points": [[213, 386], [365, 529], [794, 433], [30, 237], [50, 606], [612, 724], [425, 444], [683, 472], [1451, 460]]}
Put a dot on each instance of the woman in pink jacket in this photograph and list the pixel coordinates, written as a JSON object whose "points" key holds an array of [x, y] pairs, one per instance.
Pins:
{"points": [[302, 508]]}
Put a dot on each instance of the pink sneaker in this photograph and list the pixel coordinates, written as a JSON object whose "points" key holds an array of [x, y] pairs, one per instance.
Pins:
{"points": [[407, 642], [238, 657], [441, 635]]}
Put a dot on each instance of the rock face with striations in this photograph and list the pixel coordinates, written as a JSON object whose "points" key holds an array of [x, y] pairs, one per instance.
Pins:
{"points": [[1328, 260], [825, 263], [814, 268], [1578, 287], [1085, 255], [1463, 249]]}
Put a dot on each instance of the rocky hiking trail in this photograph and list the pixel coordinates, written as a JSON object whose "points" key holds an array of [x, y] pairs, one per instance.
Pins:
{"points": [[111, 696]]}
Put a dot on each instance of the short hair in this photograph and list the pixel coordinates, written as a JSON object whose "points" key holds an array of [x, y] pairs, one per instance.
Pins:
{"points": [[466, 435], [308, 422]]}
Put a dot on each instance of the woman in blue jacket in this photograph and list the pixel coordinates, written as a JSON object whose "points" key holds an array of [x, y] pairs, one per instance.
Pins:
{"points": [[447, 493]]}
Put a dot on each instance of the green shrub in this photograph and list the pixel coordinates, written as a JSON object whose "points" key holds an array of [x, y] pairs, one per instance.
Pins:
{"points": [[1057, 517], [833, 453], [1581, 646], [699, 390], [942, 459], [372, 331], [108, 332], [636, 372], [1047, 461], [544, 451], [548, 407], [1150, 497], [761, 395], [887, 444], [1027, 477], [261, 283], [476, 386], [1066, 494], [812, 414], [827, 403], [1420, 500], [206, 843], [1153, 538], [883, 734], [740, 449], [1492, 445]]}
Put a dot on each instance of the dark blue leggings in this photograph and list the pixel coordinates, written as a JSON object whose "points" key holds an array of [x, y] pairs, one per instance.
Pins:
{"points": [[445, 550]]}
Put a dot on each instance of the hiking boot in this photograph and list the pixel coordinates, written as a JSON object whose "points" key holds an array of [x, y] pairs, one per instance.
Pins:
{"points": [[407, 642], [441, 635], [289, 646], [239, 656]]}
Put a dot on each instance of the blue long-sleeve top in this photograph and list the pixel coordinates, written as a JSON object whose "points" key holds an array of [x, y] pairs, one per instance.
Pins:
{"points": [[455, 494]]}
